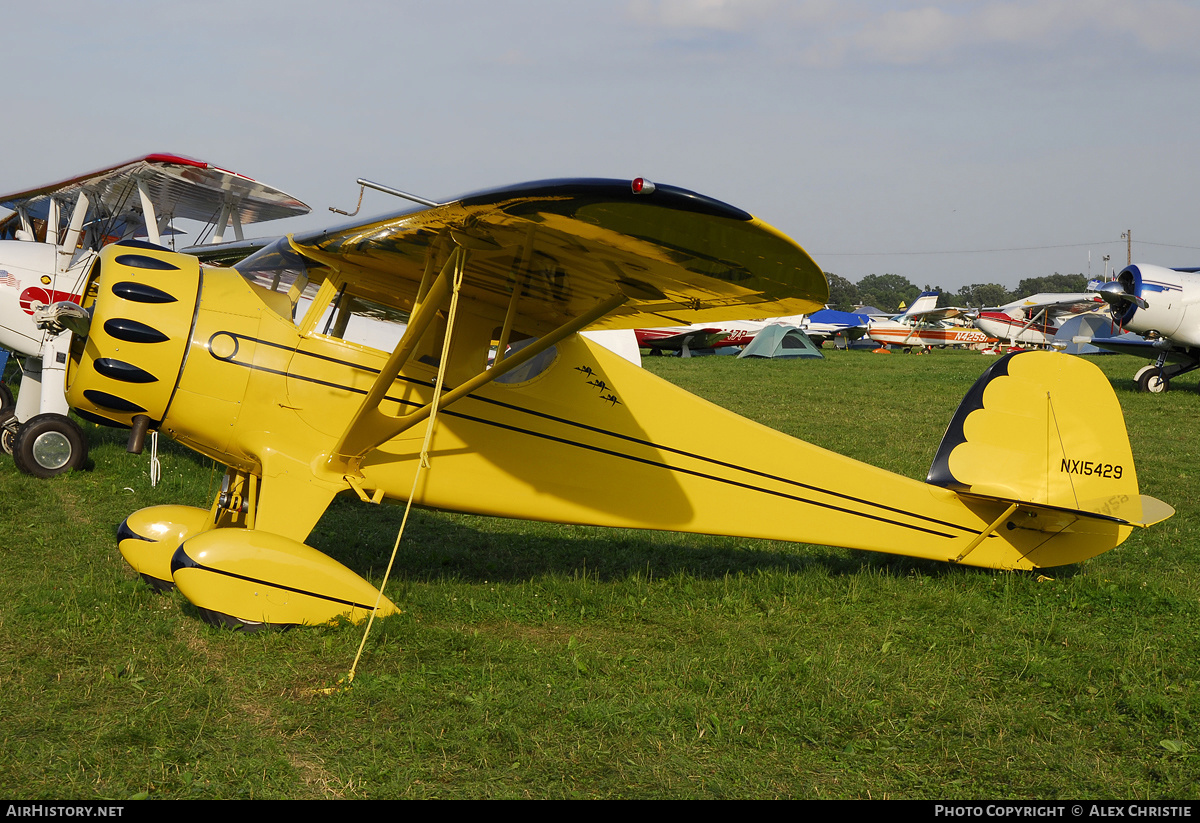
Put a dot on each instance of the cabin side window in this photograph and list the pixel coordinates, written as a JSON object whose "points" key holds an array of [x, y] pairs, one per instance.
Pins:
{"points": [[358, 319]]}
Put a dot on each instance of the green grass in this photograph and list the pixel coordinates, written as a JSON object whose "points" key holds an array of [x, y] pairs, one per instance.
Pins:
{"points": [[545, 661]]}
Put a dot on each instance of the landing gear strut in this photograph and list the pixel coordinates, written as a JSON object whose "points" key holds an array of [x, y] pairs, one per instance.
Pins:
{"points": [[1151, 379]]}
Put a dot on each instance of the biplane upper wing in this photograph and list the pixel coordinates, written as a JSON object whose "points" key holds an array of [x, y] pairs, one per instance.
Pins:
{"points": [[177, 186], [552, 250]]}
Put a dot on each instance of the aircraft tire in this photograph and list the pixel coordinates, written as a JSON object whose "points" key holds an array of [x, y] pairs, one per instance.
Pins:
{"points": [[158, 586], [1153, 382], [7, 436], [49, 445], [228, 621]]}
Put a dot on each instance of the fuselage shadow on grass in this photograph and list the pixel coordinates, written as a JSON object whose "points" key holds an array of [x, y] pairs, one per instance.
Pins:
{"points": [[439, 546]]}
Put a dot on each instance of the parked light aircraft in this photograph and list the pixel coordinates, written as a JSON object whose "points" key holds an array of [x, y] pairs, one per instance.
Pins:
{"points": [[1161, 305], [686, 339], [50, 243], [842, 327], [922, 325], [1034, 320], [820, 326], [556, 428]]}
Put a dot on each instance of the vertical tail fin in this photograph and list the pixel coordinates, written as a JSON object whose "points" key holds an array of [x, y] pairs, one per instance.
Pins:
{"points": [[925, 303], [1045, 431]]}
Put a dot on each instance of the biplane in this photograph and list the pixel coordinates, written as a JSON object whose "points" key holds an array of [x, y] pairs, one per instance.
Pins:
{"points": [[49, 244], [303, 404]]}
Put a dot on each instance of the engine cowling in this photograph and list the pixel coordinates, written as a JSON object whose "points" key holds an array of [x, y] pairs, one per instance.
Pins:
{"points": [[1153, 299], [142, 299]]}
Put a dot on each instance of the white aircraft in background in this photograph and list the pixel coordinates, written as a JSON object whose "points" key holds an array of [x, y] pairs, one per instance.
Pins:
{"points": [[1034, 320], [922, 325], [1163, 305], [50, 244]]}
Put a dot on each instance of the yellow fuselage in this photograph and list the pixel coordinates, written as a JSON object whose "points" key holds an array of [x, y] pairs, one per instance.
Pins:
{"points": [[590, 439]]}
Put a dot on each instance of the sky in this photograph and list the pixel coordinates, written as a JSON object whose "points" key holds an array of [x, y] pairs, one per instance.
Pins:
{"points": [[948, 142]]}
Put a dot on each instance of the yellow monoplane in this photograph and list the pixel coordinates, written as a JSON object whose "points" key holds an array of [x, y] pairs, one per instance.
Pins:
{"points": [[316, 366]]}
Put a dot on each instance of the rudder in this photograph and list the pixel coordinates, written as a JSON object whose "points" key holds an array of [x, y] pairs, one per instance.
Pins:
{"points": [[1045, 430]]}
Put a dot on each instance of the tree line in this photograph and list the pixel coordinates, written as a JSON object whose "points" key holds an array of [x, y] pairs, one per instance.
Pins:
{"points": [[888, 291]]}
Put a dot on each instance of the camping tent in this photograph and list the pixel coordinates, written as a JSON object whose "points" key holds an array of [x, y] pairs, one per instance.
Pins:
{"points": [[783, 342]]}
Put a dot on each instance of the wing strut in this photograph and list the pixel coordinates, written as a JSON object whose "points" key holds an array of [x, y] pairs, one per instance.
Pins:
{"points": [[370, 427], [74, 229], [153, 233], [518, 287], [523, 356]]}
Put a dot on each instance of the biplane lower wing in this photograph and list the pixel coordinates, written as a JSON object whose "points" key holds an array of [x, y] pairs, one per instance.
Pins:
{"points": [[555, 428]]}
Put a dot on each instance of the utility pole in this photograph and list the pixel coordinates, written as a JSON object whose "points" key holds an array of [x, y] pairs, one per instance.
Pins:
{"points": [[1127, 236]]}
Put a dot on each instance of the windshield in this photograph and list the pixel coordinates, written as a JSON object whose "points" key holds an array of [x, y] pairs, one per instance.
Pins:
{"points": [[282, 277]]}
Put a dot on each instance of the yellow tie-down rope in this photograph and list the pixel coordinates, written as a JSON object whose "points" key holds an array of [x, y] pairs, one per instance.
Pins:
{"points": [[422, 465]]}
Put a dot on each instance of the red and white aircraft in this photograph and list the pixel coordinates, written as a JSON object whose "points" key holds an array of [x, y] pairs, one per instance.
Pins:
{"points": [[685, 339], [923, 325], [820, 326], [1034, 320], [50, 243]]}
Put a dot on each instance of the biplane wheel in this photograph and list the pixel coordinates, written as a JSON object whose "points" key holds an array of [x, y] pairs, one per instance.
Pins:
{"points": [[48, 445], [1152, 381]]}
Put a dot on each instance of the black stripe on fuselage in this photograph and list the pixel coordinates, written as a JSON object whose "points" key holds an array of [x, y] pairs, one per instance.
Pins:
{"points": [[605, 432]]}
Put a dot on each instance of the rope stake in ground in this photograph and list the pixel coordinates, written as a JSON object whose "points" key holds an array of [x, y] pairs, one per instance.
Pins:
{"points": [[422, 464]]}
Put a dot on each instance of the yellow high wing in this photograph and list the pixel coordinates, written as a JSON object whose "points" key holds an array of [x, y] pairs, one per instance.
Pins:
{"points": [[550, 258], [551, 250]]}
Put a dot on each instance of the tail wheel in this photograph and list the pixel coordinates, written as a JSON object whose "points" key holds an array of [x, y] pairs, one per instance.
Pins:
{"points": [[1152, 381], [48, 445]]}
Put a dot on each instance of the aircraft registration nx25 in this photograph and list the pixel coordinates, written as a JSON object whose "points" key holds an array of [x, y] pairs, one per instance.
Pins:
{"points": [[557, 428], [50, 243], [921, 325]]}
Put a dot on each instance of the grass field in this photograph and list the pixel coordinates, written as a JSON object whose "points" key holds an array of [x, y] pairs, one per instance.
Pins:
{"points": [[545, 661]]}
